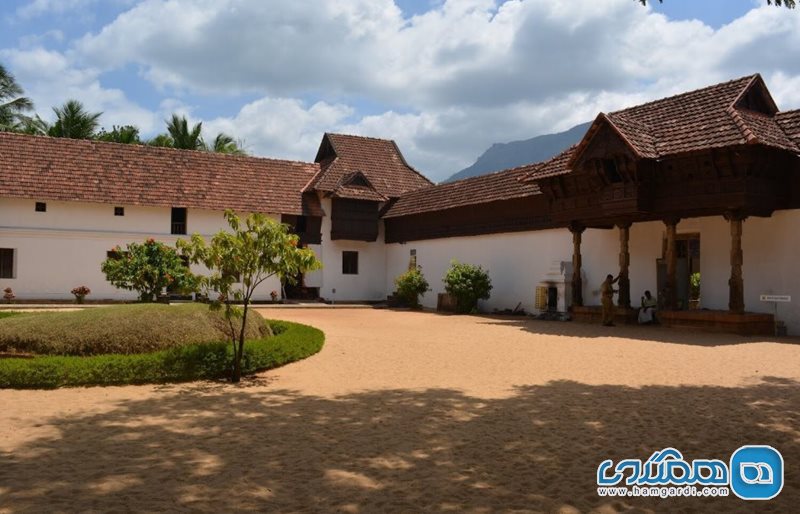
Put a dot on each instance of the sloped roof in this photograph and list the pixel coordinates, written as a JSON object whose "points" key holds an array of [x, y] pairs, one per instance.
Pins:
{"points": [[45, 168], [379, 160], [501, 185], [789, 122], [711, 117], [558, 165]]}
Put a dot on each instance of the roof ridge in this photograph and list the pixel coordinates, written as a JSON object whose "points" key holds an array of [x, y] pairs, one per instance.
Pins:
{"points": [[686, 93], [749, 137], [412, 168], [151, 148], [359, 136]]}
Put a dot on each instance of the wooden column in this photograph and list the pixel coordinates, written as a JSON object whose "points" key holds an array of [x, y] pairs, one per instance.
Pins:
{"points": [[671, 258], [577, 281], [736, 282], [624, 298]]}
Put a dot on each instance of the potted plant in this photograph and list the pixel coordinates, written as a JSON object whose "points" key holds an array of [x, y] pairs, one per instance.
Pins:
{"points": [[8, 294], [410, 286], [80, 293]]}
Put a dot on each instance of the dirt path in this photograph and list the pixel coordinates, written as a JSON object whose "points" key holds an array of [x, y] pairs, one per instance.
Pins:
{"points": [[411, 412]]}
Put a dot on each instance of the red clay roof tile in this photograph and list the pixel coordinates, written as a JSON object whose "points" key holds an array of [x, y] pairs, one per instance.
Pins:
{"points": [[79, 170]]}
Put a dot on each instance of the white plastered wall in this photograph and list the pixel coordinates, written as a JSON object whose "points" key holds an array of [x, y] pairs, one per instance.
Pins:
{"points": [[517, 262], [367, 285], [63, 248]]}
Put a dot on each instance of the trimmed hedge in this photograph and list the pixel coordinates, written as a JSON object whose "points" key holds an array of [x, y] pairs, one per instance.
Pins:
{"points": [[292, 342]]}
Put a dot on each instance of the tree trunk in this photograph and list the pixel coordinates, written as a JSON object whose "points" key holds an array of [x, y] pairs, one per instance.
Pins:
{"points": [[239, 353]]}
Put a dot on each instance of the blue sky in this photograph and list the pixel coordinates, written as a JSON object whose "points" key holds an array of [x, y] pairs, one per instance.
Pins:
{"points": [[444, 78]]}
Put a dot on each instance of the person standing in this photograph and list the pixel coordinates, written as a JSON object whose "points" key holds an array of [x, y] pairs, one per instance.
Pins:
{"points": [[607, 291]]}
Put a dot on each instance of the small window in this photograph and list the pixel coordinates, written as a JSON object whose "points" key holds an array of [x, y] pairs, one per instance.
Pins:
{"points": [[41, 207], [301, 225], [6, 263], [119, 211], [178, 220], [113, 254], [350, 263], [612, 173]]}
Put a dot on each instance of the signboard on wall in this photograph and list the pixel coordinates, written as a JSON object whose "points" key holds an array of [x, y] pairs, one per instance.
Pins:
{"points": [[781, 298]]}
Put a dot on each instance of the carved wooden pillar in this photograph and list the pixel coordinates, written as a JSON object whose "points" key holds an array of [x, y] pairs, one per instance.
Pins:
{"points": [[671, 258], [624, 298], [577, 281], [736, 282]]}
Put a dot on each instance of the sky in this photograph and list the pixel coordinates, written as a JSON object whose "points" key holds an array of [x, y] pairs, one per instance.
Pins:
{"points": [[444, 78]]}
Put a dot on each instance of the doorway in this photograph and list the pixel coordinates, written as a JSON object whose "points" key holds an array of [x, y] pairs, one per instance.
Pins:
{"points": [[687, 271]]}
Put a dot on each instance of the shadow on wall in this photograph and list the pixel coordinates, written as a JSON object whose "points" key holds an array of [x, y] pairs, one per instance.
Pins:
{"points": [[653, 333], [220, 448]]}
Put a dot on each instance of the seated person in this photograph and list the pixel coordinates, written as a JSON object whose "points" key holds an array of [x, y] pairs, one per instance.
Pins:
{"points": [[648, 310]]}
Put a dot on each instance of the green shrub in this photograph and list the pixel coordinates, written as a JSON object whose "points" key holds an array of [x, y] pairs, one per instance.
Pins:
{"points": [[410, 286], [118, 329], [181, 364], [148, 268], [468, 284]]}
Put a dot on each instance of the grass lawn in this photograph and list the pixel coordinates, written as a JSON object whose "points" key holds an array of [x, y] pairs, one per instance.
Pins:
{"points": [[120, 329], [137, 344]]}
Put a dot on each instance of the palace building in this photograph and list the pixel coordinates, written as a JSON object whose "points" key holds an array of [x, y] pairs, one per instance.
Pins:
{"points": [[695, 198]]}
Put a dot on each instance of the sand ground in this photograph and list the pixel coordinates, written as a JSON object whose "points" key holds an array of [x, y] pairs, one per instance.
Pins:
{"points": [[412, 412]]}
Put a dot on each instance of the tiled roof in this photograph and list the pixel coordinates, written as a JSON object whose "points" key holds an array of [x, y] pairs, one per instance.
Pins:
{"points": [[378, 159], [789, 121], [766, 130], [558, 165], [45, 168], [699, 120], [695, 120], [502, 185]]}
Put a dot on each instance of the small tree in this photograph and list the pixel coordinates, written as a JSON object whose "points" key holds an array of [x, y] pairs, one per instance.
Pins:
{"points": [[411, 285], [148, 268], [241, 260], [468, 284]]}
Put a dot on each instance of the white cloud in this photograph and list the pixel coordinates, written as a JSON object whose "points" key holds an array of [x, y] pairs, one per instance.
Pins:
{"points": [[50, 79], [448, 83], [280, 127]]}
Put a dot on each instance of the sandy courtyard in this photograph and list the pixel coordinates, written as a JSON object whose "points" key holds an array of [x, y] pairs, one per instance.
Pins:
{"points": [[411, 412]]}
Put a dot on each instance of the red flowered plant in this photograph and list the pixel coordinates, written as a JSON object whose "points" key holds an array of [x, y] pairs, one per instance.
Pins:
{"points": [[8, 294], [80, 293]]}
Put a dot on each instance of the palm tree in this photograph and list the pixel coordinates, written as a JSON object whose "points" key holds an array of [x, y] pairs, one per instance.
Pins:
{"points": [[74, 121], [12, 104], [31, 125], [224, 143], [126, 134], [184, 138], [161, 140]]}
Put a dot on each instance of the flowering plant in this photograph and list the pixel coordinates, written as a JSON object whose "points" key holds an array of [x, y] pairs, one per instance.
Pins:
{"points": [[9, 294], [80, 293], [274, 296]]}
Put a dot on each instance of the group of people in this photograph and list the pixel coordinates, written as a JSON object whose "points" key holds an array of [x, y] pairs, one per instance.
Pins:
{"points": [[646, 312]]}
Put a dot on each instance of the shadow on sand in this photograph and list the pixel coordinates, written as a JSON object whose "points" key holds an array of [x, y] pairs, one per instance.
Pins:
{"points": [[219, 448], [638, 332]]}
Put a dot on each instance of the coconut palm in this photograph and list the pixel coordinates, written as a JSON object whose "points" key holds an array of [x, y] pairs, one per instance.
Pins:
{"points": [[161, 140], [184, 138], [126, 134], [74, 121], [224, 143], [13, 105], [31, 125]]}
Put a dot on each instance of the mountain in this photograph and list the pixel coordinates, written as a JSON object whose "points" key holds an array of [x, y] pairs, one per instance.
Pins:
{"points": [[501, 156]]}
